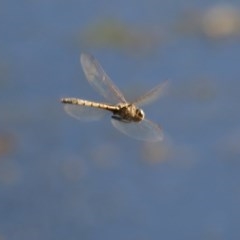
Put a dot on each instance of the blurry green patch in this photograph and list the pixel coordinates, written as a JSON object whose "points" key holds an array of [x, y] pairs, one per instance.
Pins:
{"points": [[218, 22], [156, 152], [228, 146], [115, 34], [9, 170], [6, 144], [179, 156]]}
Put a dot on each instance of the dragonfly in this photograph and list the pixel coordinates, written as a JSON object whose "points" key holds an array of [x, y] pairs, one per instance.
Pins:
{"points": [[127, 117]]}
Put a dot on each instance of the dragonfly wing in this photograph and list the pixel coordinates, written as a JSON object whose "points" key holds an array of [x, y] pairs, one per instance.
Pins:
{"points": [[84, 113], [144, 130], [99, 79], [152, 95]]}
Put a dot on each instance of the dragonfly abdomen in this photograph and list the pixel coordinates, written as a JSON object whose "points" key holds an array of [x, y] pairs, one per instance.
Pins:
{"points": [[87, 103]]}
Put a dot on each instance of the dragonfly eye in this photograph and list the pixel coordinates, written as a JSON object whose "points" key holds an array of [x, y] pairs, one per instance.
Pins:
{"points": [[140, 113]]}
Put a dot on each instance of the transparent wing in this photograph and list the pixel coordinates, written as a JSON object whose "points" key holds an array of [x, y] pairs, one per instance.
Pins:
{"points": [[84, 113], [99, 79], [144, 130], [152, 95]]}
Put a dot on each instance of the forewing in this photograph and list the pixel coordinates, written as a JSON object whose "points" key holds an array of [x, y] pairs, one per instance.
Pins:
{"points": [[144, 130], [99, 79], [152, 95], [84, 113]]}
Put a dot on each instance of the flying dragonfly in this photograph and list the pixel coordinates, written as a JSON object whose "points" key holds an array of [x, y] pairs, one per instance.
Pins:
{"points": [[127, 117]]}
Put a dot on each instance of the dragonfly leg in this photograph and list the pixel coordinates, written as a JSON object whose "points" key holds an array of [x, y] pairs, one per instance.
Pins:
{"points": [[119, 118]]}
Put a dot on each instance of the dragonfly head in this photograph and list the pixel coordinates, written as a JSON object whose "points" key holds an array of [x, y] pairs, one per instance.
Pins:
{"points": [[140, 114]]}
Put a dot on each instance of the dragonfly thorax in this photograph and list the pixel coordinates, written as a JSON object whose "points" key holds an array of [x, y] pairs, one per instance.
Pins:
{"points": [[129, 113]]}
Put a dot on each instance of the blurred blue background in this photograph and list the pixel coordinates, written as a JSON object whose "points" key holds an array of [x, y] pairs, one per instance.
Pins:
{"points": [[64, 179]]}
